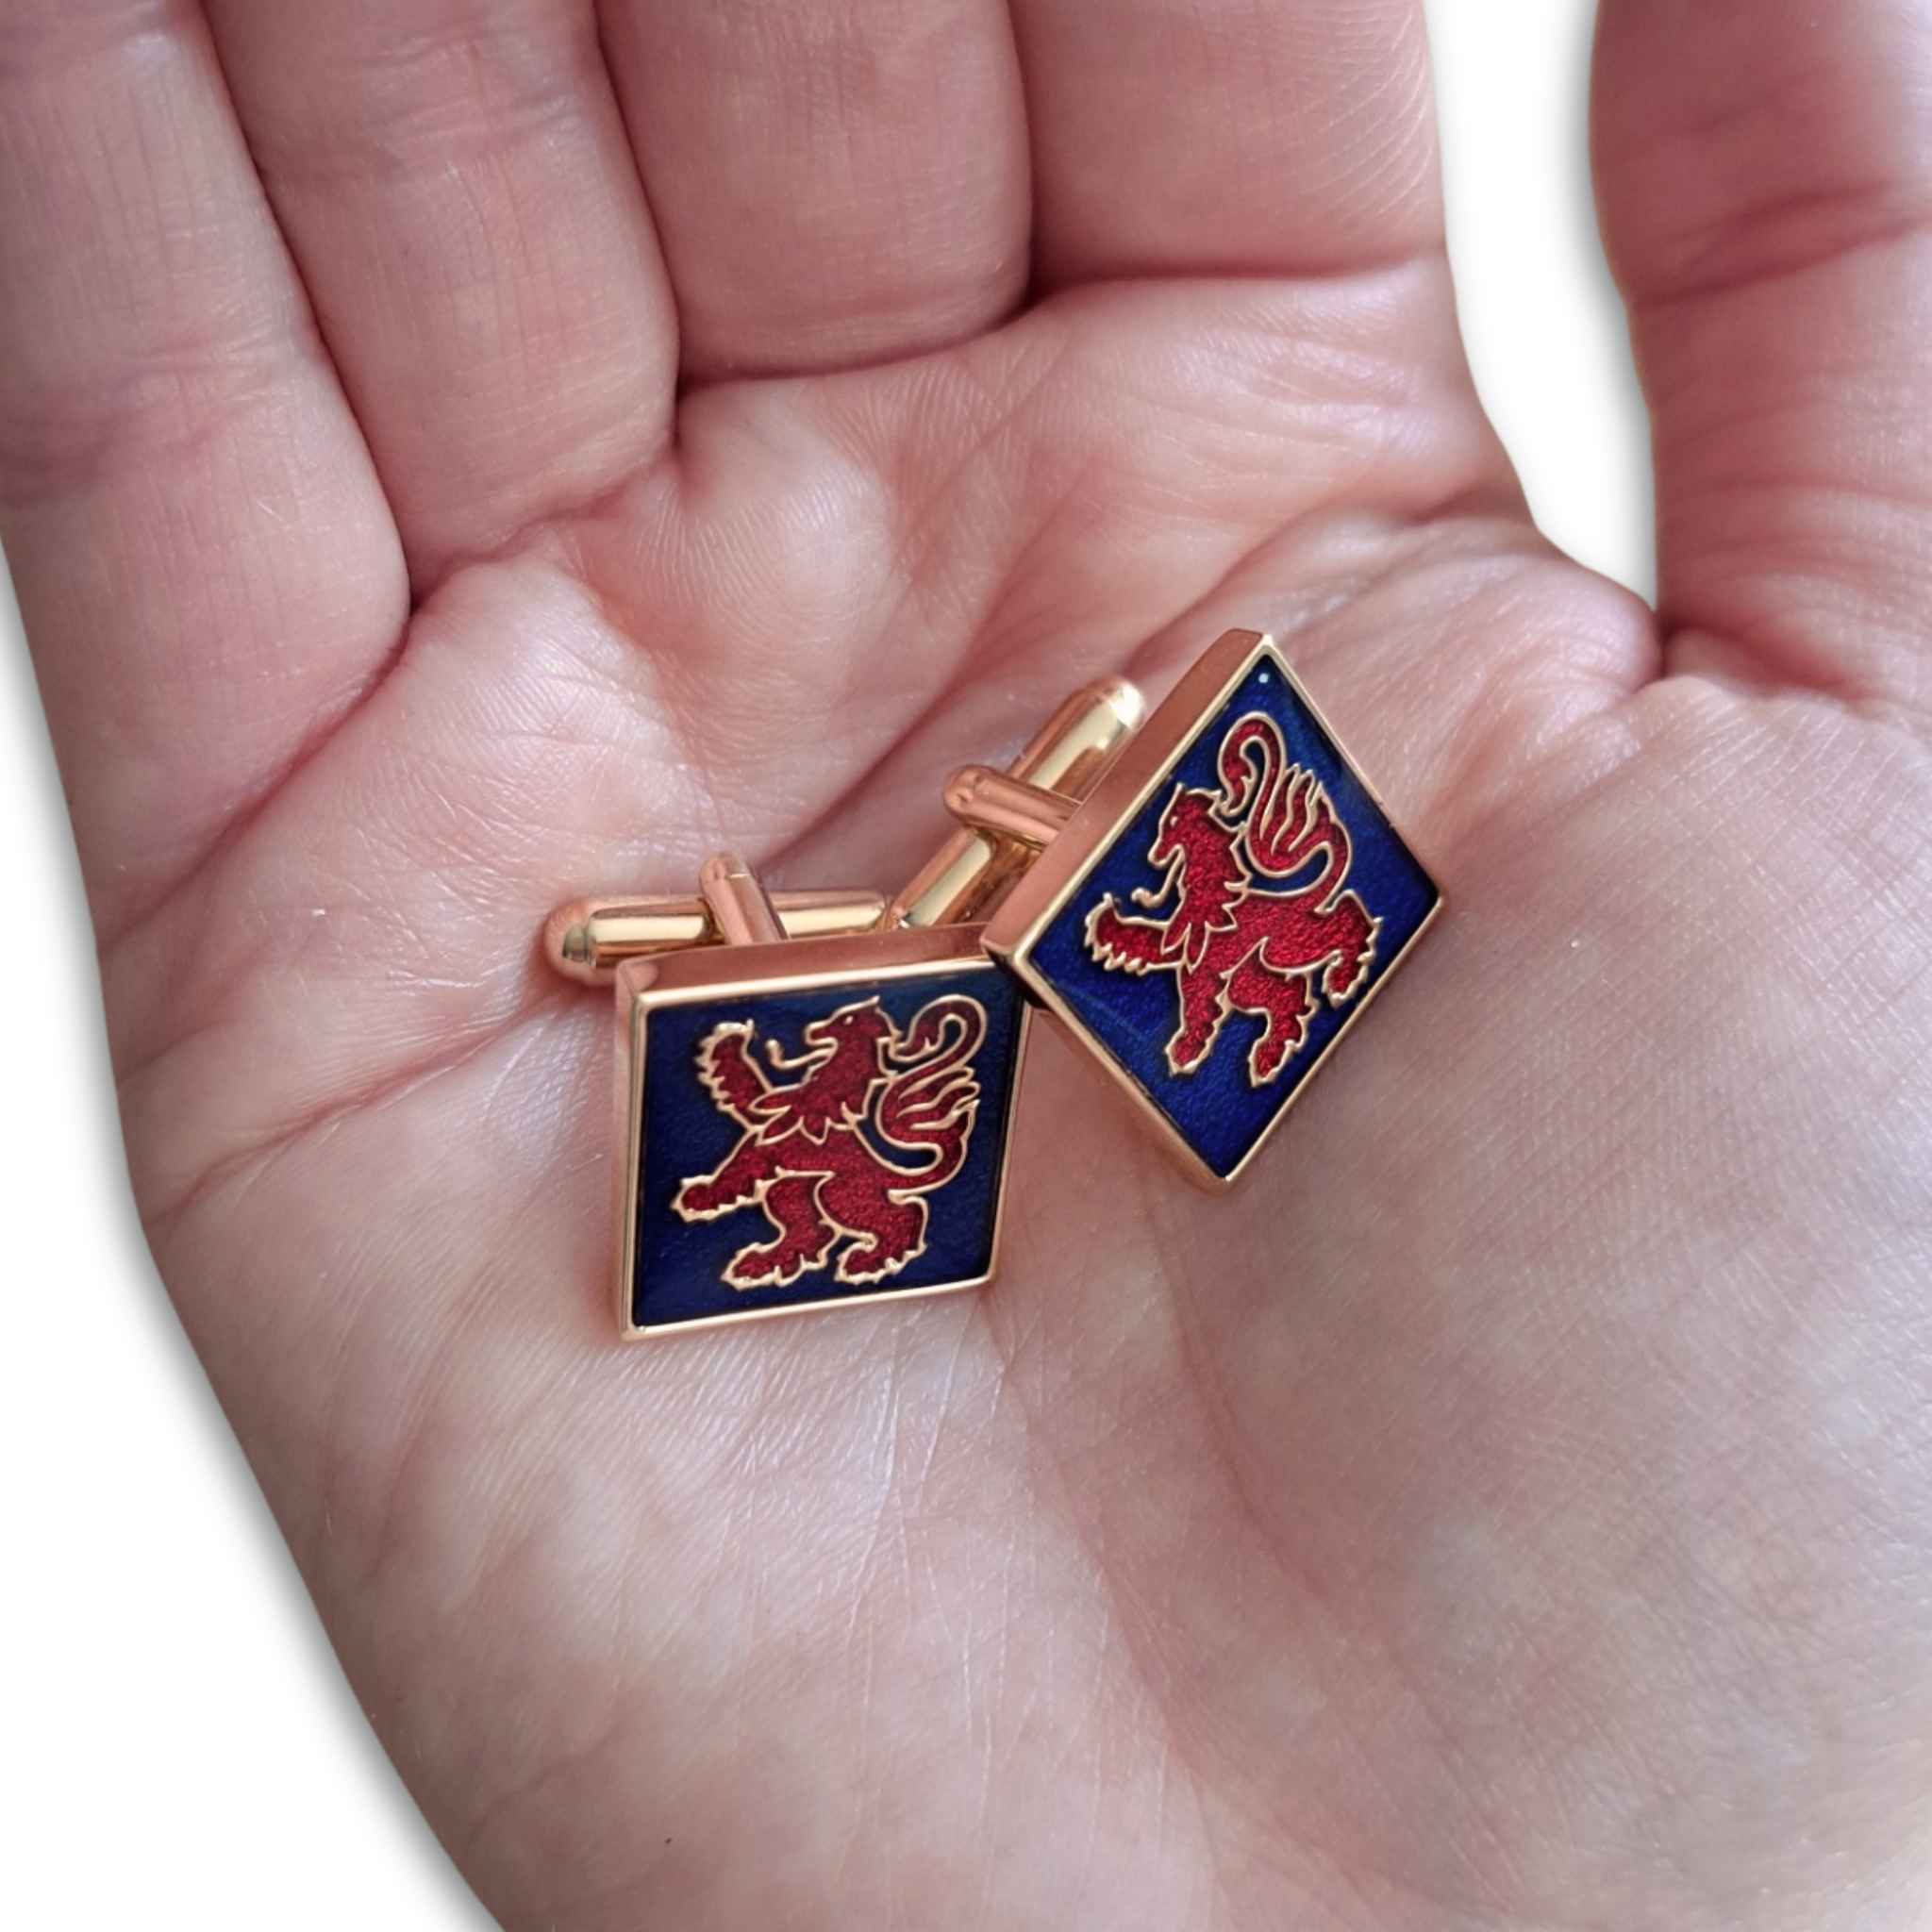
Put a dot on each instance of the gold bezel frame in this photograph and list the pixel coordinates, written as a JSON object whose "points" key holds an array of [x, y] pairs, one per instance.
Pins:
{"points": [[1135, 775], [713, 973]]}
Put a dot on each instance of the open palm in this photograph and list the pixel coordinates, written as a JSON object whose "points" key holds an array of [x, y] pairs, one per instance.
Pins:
{"points": [[455, 454]]}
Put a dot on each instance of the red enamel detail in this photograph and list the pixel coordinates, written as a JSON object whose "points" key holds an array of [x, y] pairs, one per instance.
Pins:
{"points": [[1232, 946], [818, 1152]]}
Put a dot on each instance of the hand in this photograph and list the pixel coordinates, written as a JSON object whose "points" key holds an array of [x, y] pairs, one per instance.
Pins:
{"points": [[430, 501]]}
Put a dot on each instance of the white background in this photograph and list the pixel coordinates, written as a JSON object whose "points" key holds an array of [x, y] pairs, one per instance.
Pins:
{"points": [[185, 1748]]}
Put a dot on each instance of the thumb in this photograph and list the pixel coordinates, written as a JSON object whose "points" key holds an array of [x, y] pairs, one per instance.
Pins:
{"points": [[1765, 170]]}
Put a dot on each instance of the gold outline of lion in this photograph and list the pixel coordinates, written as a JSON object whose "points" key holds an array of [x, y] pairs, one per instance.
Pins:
{"points": [[1232, 948], [806, 1159]]}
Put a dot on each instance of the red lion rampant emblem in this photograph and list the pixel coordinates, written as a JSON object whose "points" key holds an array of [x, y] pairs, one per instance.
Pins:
{"points": [[811, 1155], [1231, 946]]}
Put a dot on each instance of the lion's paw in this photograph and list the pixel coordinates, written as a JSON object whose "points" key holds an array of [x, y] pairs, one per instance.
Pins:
{"points": [[761, 1268], [860, 1267], [704, 1200]]}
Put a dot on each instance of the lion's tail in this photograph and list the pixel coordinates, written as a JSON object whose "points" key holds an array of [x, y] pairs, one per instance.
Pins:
{"points": [[931, 1101], [1288, 816]]}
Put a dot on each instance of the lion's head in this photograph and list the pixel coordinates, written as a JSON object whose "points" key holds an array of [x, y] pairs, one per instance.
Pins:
{"points": [[844, 1059], [1197, 853]]}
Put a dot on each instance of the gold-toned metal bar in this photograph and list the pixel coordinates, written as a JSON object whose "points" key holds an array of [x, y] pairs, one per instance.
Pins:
{"points": [[971, 870], [990, 801], [743, 915], [588, 939]]}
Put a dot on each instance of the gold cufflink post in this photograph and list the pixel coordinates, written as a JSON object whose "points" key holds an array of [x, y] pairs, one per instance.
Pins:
{"points": [[588, 939], [1070, 751]]}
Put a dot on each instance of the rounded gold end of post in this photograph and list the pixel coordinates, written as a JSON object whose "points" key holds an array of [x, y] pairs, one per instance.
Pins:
{"points": [[1075, 746], [567, 939], [588, 939]]}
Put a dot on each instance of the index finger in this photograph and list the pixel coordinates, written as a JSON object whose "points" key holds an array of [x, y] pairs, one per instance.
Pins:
{"points": [[207, 572], [1228, 137]]}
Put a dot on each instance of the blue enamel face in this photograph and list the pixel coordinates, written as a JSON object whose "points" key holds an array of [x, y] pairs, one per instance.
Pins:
{"points": [[803, 1147], [1275, 897]]}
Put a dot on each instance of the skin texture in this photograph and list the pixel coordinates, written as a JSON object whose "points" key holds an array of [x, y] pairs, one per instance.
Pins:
{"points": [[456, 454]]}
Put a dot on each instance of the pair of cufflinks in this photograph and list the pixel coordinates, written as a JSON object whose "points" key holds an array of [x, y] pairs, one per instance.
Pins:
{"points": [[815, 1090]]}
